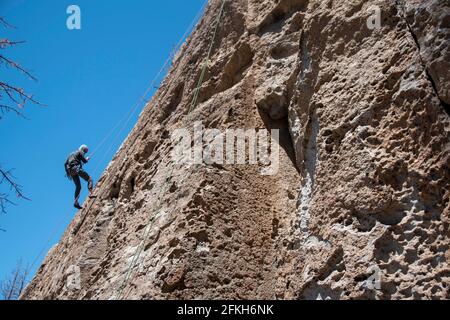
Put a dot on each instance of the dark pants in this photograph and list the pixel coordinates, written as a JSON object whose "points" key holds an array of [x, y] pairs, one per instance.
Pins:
{"points": [[76, 179]]}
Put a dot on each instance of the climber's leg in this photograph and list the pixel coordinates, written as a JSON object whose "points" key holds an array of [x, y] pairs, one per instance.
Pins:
{"points": [[83, 174], [76, 181]]}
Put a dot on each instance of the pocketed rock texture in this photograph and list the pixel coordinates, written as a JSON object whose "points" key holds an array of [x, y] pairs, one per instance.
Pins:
{"points": [[359, 208]]}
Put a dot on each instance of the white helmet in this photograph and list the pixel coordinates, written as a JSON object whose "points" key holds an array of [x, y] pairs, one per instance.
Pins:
{"points": [[84, 148]]}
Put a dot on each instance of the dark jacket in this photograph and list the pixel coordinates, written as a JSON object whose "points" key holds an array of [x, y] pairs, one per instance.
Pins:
{"points": [[74, 163]]}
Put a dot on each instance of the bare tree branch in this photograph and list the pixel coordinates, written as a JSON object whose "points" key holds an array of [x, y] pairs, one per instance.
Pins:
{"points": [[5, 43], [12, 286], [6, 109], [4, 201], [9, 178], [10, 92], [6, 24], [15, 65], [17, 97]]}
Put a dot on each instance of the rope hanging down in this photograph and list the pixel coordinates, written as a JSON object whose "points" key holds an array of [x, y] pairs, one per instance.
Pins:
{"points": [[119, 293]]}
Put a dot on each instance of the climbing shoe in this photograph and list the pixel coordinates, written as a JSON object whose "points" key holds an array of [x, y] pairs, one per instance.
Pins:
{"points": [[76, 205]]}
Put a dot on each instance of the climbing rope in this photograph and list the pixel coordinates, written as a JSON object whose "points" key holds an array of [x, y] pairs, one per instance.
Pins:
{"points": [[50, 238], [128, 275], [205, 65], [151, 86], [124, 121]]}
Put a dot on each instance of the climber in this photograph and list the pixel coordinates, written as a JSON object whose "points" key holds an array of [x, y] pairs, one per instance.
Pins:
{"points": [[74, 170]]}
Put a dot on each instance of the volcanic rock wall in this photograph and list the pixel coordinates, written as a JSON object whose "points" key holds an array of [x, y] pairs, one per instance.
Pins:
{"points": [[359, 207]]}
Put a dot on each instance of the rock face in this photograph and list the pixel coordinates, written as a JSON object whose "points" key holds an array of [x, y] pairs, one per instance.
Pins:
{"points": [[359, 208]]}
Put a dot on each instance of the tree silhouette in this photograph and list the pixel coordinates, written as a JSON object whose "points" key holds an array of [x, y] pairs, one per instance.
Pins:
{"points": [[12, 286], [12, 100]]}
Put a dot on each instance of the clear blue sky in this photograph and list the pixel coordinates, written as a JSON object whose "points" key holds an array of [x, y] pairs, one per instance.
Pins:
{"points": [[89, 78]]}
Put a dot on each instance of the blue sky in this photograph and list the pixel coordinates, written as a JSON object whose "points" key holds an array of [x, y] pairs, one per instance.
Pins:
{"points": [[90, 79]]}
